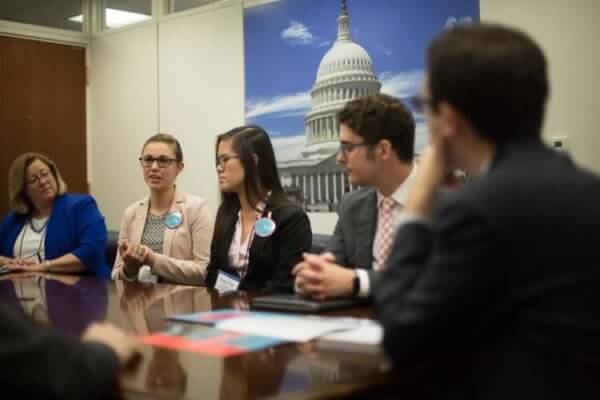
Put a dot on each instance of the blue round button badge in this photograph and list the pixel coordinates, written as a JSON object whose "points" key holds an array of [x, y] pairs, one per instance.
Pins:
{"points": [[173, 220], [265, 226]]}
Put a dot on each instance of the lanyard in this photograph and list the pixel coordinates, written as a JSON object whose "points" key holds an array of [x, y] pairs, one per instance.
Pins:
{"points": [[43, 232]]}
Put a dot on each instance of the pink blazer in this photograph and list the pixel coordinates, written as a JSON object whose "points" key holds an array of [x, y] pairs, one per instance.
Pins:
{"points": [[186, 250]]}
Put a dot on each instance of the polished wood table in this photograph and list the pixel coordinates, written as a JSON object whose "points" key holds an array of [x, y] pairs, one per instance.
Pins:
{"points": [[291, 371]]}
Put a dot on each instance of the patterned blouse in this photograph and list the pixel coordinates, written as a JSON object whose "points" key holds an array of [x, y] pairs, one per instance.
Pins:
{"points": [[154, 233]]}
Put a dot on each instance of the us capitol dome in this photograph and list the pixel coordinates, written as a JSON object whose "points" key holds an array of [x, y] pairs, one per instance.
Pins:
{"points": [[345, 73]]}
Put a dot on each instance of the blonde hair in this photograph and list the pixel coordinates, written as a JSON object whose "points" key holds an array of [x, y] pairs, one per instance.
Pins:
{"points": [[17, 199]]}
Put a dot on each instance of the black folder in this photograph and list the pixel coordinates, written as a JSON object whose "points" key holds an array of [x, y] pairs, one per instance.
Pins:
{"points": [[295, 302]]}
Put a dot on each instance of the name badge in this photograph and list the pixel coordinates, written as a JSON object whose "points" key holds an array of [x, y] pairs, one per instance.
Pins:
{"points": [[227, 282], [145, 275]]}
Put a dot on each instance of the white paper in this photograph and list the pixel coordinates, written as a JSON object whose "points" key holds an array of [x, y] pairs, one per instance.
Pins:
{"points": [[366, 334], [289, 328]]}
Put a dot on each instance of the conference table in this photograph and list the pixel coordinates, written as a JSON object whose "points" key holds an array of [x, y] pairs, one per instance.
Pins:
{"points": [[286, 371]]}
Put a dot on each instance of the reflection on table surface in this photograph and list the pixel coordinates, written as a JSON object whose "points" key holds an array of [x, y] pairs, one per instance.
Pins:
{"points": [[70, 303]]}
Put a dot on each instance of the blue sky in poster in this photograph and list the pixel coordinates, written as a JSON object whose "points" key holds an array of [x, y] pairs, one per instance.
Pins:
{"points": [[285, 41]]}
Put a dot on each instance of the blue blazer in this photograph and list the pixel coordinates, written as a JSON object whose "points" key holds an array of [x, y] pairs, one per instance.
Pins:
{"points": [[75, 226]]}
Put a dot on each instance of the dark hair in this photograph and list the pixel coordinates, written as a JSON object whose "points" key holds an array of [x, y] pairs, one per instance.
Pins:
{"points": [[379, 117], [495, 76], [255, 151], [168, 139]]}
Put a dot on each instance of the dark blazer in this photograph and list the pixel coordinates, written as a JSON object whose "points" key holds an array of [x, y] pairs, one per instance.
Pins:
{"points": [[40, 364], [506, 279], [271, 259], [352, 240], [75, 226]]}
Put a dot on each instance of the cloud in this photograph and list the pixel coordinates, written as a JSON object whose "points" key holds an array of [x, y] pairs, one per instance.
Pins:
{"points": [[454, 21], [385, 50], [398, 84], [401, 84], [288, 148], [279, 106], [299, 34]]}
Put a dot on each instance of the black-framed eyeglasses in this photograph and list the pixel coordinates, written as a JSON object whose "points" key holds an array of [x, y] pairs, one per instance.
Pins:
{"points": [[348, 147], [221, 160], [420, 102], [162, 161], [35, 179]]}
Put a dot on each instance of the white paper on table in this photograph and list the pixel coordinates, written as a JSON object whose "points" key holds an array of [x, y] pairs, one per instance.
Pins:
{"points": [[292, 328], [366, 334]]}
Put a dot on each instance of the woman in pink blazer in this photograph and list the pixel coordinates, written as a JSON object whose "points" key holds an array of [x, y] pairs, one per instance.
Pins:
{"points": [[166, 236]]}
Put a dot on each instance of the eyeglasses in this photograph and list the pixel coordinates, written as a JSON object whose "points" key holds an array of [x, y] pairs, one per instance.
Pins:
{"points": [[222, 160], [162, 161], [420, 102], [348, 147], [35, 179]]}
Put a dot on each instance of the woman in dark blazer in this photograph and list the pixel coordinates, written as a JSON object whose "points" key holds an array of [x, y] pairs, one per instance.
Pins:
{"points": [[259, 234]]}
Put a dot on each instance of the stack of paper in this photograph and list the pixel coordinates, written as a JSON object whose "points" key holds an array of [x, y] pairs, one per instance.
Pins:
{"points": [[282, 326], [367, 338]]}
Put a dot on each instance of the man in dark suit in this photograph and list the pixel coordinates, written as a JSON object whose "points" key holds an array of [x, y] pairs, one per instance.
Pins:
{"points": [[35, 363], [376, 148], [499, 282]]}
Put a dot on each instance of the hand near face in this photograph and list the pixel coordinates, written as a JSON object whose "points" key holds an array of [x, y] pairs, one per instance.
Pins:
{"points": [[320, 278], [433, 167]]}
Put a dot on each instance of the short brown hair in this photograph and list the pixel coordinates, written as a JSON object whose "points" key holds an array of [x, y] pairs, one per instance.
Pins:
{"points": [[494, 75], [17, 199], [379, 117], [168, 139]]}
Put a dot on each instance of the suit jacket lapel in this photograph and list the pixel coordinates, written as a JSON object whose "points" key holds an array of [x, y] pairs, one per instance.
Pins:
{"points": [[258, 243], [365, 232], [139, 222]]}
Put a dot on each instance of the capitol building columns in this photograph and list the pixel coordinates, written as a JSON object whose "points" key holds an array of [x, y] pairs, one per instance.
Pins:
{"points": [[326, 187]]}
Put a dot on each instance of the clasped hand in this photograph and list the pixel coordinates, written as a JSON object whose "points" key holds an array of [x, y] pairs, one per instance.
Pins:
{"points": [[135, 255]]}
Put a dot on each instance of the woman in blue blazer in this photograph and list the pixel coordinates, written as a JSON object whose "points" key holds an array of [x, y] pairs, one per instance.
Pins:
{"points": [[49, 230]]}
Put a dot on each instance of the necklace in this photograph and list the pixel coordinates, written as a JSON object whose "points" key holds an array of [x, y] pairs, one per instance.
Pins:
{"points": [[42, 231], [38, 230]]}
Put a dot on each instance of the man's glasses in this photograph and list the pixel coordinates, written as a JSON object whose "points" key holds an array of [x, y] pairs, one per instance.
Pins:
{"points": [[162, 161], [221, 160], [348, 147], [35, 179]]}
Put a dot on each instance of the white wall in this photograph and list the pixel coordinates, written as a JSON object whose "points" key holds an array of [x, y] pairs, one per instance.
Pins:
{"points": [[197, 59], [124, 107], [201, 81], [568, 32]]}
